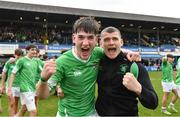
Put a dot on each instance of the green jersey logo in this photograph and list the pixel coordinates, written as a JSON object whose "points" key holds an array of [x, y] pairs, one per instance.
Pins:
{"points": [[28, 64], [77, 73], [123, 69]]}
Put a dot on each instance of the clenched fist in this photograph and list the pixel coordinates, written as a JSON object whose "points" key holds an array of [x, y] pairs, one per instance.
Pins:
{"points": [[48, 69], [131, 83]]}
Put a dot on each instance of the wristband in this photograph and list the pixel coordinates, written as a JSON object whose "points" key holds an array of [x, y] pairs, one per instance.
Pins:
{"points": [[43, 80]]}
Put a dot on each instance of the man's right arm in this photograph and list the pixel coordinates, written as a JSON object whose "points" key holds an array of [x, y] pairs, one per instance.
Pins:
{"points": [[42, 88], [3, 82], [11, 80], [4, 76]]}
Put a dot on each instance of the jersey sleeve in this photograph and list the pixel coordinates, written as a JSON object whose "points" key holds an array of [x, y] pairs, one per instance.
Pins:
{"points": [[18, 66], [178, 64], [41, 64], [99, 52], [6, 66], [148, 98]]}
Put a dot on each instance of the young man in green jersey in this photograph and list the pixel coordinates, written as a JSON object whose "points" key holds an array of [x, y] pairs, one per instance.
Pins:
{"points": [[7, 70], [75, 71], [168, 84], [26, 70]]}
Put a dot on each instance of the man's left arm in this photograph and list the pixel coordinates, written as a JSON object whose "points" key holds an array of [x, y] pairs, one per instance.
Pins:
{"points": [[142, 87], [148, 96]]}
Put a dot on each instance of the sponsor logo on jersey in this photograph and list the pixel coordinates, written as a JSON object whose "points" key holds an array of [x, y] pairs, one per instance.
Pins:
{"points": [[28, 64], [77, 73]]}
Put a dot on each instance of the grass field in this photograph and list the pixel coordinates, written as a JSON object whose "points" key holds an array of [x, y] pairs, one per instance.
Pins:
{"points": [[48, 107]]}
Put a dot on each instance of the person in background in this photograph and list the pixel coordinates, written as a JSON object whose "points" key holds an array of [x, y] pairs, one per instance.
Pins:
{"points": [[7, 70], [168, 84], [26, 69]]}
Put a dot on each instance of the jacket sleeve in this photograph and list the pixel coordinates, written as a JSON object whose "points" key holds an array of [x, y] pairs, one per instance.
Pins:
{"points": [[148, 97]]}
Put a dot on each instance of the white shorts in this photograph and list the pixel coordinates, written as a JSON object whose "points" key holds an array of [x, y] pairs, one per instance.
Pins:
{"points": [[178, 90], [168, 86], [15, 91], [28, 99]]}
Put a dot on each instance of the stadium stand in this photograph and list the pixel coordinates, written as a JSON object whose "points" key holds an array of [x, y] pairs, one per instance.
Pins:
{"points": [[52, 26]]}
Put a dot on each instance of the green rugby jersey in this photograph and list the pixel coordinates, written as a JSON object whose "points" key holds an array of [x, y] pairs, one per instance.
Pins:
{"points": [[77, 79], [8, 67], [178, 72], [167, 72], [26, 69], [40, 65]]}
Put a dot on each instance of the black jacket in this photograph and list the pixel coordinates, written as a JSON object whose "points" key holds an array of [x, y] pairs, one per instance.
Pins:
{"points": [[114, 99]]}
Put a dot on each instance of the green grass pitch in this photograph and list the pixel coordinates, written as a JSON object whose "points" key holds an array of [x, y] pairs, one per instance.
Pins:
{"points": [[48, 107]]}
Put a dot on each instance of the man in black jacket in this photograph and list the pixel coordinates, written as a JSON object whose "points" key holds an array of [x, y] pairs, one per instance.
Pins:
{"points": [[118, 89]]}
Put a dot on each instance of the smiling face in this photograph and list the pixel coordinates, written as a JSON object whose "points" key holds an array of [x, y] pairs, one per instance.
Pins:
{"points": [[84, 44], [170, 59], [31, 52], [111, 43]]}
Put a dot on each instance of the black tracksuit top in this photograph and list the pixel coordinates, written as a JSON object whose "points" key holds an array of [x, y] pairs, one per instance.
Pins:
{"points": [[114, 99]]}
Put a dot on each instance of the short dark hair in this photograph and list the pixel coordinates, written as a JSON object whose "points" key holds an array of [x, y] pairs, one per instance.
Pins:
{"points": [[86, 24], [110, 29], [170, 56], [31, 46], [18, 52]]}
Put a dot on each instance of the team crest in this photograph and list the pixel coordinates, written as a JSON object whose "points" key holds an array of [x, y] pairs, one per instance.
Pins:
{"points": [[123, 69]]}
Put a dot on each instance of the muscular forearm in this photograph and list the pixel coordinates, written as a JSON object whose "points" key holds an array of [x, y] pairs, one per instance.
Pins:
{"points": [[11, 80], [3, 79], [42, 86], [42, 90]]}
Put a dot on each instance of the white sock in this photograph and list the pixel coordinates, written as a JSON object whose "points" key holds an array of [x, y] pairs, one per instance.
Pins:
{"points": [[163, 108], [171, 104]]}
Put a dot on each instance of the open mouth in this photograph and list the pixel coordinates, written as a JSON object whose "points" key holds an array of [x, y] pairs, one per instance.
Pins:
{"points": [[111, 50], [85, 51]]}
